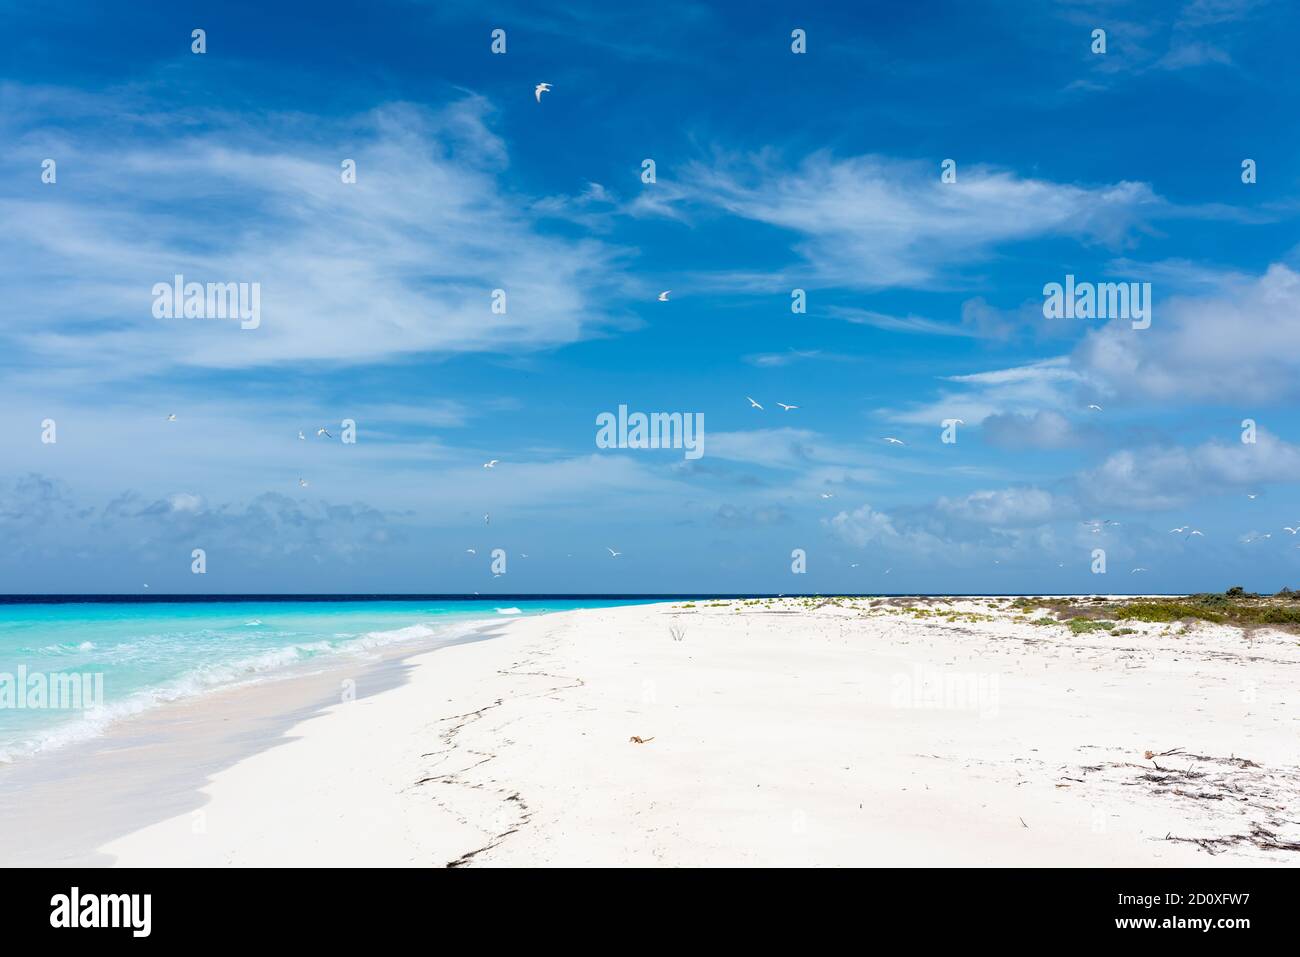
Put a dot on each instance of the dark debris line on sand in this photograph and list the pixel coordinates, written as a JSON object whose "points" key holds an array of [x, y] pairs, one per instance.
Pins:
{"points": [[448, 737]]}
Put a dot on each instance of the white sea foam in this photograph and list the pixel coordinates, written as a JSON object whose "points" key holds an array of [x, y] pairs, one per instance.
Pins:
{"points": [[67, 648], [270, 665]]}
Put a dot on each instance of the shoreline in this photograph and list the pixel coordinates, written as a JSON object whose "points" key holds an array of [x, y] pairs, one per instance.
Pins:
{"points": [[151, 764], [776, 732]]}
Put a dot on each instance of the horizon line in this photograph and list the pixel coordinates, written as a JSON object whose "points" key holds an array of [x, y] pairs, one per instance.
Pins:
{"points": [[232, 597]]}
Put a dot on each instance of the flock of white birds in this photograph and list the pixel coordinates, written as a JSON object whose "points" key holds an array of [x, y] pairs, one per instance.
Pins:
{"points": [[1097, 526]]}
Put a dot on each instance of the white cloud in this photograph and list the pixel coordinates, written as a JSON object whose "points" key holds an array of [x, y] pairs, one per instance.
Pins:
{"points": [[864, 526], [1239, 343], [1008, 506], [916, 324], [1044, 429], [1020, 390], [401, 262], [871, 222], [1158, 477]]}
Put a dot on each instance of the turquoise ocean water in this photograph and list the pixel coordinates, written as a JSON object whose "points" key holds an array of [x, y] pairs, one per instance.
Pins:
{"points": [[127, 657]]}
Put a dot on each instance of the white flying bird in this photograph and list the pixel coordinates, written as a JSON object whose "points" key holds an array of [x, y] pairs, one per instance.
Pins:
{"points": [[1179, 530], [301, 436], [471, 551], [171, 417], [325, 432], [612, 553], [663, 296], [487, 518], [1097, 407], [753, 404], [1288, 528], [492, 464], [828, 494], [1196, 531], [1136, 570], [787, 407], [893, 441], [1252, 495], [302, 483], [541, 88]]}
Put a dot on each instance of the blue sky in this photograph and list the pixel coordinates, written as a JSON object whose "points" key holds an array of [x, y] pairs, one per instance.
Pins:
{"points": [[775, 171]]}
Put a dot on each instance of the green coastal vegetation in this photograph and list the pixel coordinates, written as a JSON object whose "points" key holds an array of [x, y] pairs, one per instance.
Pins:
{"points": [[1236, 606]]}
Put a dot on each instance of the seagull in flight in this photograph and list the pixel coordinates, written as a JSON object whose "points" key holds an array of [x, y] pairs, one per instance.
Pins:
{"points": [[1136, 570], [612, 553], [828, 494], [487, 518], [471, 551], [787, 407], [1195, 531], [1179, 530], [171, 417], [325, 432], [1097, 407], [492, 464], [663, 296], [1252, 495], [302, 483], [541, 88], [1288, 528], [753, 404], [893, 441], [301, 436]]}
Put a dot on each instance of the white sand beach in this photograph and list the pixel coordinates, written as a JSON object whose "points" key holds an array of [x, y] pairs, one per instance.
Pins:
{"points": [[781, 732]]}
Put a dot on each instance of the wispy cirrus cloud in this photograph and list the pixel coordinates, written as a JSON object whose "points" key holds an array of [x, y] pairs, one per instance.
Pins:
{"points": [[875, 222], [403, 262], [1049, 383], [1187, 36]]}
